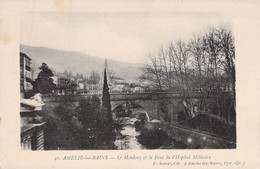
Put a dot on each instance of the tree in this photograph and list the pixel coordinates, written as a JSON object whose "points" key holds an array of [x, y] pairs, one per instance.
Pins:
{"points": [[68, 129], [67, 85], [44, 83], [87, 115], [205, 64], [77, 76], [96, 133], [66, 73], [106, 103], [81, 76], [94, 78], [111, 74], [152, 73], [106, 96], [228, 53]]}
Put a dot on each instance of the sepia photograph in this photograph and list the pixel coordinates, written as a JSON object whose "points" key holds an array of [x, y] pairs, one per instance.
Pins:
{"points": [[127, 81], [129, 84]]}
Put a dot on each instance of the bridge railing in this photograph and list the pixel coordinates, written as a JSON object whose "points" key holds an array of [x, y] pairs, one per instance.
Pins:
{"points": [[150, 95]]}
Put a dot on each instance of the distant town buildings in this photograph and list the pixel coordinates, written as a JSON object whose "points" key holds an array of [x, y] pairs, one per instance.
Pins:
{"points": [[78, 84], [94, 84], [120, 85], [139, 89], [94, 89]]}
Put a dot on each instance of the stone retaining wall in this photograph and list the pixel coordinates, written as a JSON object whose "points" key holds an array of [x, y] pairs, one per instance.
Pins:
{"points": [[193, 138]]}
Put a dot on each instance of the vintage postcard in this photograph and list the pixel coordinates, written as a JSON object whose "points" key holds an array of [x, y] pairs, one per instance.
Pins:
{"points": [[129, 84]]}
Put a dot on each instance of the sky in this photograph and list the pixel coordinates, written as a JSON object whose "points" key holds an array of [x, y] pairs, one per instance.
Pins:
{"points": [[121, 36]]}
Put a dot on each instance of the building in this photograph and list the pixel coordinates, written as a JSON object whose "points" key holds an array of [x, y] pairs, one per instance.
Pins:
{"points": [[81, 86], [25, 74], [136, 88], [139, 89], [117, 80], [118, 88], [32, 125], [94, 89]]}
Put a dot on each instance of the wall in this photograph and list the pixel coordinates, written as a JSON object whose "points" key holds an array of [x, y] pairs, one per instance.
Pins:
{"points": [[193, 138]]}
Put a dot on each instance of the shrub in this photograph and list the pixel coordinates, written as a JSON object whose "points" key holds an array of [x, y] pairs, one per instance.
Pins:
{"points": [[153, 139]]}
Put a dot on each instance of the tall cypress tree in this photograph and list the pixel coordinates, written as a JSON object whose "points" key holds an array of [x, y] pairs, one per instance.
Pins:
{"points": [[108, 123], [106, 95]]}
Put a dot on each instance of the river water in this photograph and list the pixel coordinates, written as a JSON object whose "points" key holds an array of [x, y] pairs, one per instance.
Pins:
{"points": [[126, 139]]}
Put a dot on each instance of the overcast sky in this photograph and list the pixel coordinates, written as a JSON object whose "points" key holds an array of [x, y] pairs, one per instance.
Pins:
{"points": [[121, 36]]}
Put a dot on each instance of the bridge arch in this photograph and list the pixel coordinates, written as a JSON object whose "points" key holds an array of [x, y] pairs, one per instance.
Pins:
{"points": [[187, 109], [143, 105], [150, 102], [115, 104]]}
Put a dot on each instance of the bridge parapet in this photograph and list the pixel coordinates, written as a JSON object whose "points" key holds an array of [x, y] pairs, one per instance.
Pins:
{"points": [[153, 96], [161, 95], [132, 96]]}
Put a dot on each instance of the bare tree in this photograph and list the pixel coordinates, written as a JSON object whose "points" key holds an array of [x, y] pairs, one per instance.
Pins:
{"points": [[205, 64], [228, 53], [153, 73]]}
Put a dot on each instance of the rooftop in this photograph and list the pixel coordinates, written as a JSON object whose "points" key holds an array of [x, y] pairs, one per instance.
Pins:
{"points": [[24, 55]]}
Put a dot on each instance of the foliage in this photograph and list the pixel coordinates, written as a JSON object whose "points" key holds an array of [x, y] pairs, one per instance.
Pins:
{"points": [[67, 85], [213, 124], [153, 139], [97, 133], [79, 76], [62, 125], [68, 74], [163, 107], [94, 78], [122, 111], [78, 125], [139, 124], [44, 83], [67, 115], [205, 64], [106, 96], [107, 105], [157, 139]]}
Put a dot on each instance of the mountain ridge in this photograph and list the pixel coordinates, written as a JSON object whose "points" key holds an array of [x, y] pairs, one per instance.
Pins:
{"points": [[78, 62]]}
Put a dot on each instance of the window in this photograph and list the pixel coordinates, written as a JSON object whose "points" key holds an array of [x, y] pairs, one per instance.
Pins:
{"points": [[27, 74], [27, 62]]}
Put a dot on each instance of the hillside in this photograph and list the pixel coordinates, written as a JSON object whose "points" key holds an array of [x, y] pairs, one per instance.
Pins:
{"points": [[76, 62]]}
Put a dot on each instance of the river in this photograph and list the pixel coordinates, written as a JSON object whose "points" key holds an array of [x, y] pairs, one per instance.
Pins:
{"points": [[126, 138]]}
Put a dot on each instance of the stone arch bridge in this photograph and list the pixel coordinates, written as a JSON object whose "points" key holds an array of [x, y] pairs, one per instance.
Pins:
{"points": [[152, 102]]}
